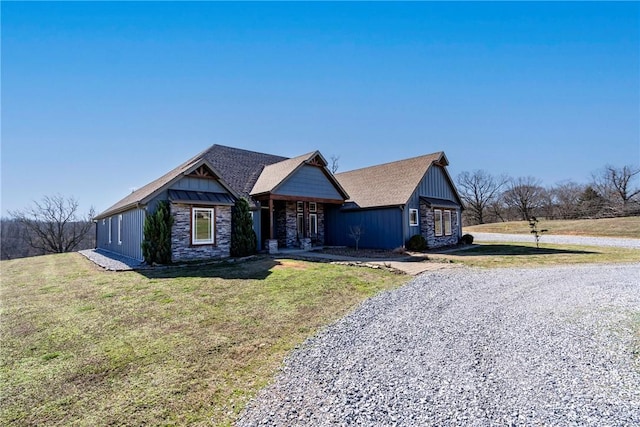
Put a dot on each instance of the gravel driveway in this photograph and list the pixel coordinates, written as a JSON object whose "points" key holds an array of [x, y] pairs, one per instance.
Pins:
{"points": [[548, 346], [559, 239]]}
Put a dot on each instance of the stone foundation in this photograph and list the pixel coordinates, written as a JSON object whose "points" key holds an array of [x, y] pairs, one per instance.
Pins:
{"points": [[181, 247]]}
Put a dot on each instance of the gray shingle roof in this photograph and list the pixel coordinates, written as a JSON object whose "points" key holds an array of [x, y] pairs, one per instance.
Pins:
{"points": [[239, 169], [389, 184]]}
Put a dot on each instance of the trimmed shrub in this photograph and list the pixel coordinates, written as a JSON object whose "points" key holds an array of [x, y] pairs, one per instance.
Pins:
{"points": [[243, 238], [156, 245], [417, 243], [467, 239]]}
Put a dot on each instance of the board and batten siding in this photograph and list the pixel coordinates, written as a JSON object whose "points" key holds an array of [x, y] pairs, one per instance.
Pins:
{"points": [[191, 183], [131, 233], [309, 182], [434, 184], [382, 227]]}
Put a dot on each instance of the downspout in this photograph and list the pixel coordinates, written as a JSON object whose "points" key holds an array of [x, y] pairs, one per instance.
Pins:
{"points": [[404, 226]]}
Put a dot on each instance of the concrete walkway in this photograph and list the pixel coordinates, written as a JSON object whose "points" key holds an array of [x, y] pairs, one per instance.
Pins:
{"points": [[412, 264], [111, 261]]}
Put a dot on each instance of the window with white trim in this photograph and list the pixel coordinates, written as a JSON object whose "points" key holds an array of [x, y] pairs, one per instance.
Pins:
{"points": [[447, 223], [120, 229], [300, 206], [413, 217], [202, 226], [313, 224], [313, 207], [110, 220], [437, 222]]}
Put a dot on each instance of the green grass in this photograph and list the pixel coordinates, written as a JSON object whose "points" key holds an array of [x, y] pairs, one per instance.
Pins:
{"points": [[81, 346], [605, 227], [498, 255]]}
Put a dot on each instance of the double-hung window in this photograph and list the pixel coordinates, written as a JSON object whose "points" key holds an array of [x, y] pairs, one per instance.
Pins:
{"points": [[202, 226], [447, 223], [437, 221], [413, 217], [110, 221]]}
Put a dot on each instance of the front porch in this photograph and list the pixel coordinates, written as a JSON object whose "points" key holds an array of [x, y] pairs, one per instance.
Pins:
{"points": [[296, 223]]}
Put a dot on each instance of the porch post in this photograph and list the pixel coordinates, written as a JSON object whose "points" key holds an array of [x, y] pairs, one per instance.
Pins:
{"points": [[272, 243], [271, 228]]}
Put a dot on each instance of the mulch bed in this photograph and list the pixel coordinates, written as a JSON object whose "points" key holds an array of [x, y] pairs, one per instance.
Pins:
{"points": [[364, 253]]}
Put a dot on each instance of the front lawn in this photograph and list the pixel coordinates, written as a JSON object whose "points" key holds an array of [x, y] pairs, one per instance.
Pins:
{"points": [[81, 346]]}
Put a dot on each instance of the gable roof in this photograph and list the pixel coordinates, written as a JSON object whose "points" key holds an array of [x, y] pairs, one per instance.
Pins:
{"points": [[240, 168], [276, 174], [388, 184], [236, 169]]}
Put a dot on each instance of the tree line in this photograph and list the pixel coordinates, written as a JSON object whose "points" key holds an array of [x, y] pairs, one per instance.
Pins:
{"points": [[51, 225], [488, 198]]}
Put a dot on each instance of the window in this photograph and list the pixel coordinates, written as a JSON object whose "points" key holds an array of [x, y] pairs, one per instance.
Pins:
{"points": [[313, 207], [313, 224], [300, 206], [447, 223], [120, 229], [437, 221], [202, 223], [413, 217], [110, 220]]}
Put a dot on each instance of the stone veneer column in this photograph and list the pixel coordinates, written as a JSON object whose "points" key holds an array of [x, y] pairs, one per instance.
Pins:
{"points": [[181, 247], [321, 224], [291, 225]]}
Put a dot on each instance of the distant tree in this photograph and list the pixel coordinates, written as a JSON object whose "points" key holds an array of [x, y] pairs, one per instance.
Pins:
{"points": [[243, 238], [591, 204], [53, 225], [333, 163], [566, 197], [524, 194], [615, 184], [156, 244], [478, 190]]}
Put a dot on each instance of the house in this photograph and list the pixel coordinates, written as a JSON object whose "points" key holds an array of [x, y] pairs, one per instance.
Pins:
{"points": [[295, 202], [394, 201], [287, 197]]}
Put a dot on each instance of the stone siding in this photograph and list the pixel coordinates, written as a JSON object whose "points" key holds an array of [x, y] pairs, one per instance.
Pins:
{"points": [[320, 238], [181, 247], [292, 225], [427, 228]]}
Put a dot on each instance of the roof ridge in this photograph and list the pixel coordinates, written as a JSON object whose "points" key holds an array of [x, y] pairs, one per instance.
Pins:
{"points": [[246, 151], [440, 153]]}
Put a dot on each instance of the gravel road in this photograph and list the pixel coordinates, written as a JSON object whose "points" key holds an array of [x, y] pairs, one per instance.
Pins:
{"points": [[558, 239], [548, 346]]}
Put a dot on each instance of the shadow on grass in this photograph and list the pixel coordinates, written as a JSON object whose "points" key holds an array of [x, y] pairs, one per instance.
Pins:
{"points": [[517, 250], [258, 269]]}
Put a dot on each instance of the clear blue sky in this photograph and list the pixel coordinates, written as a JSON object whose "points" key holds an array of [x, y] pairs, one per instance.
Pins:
{"points": [[100, 98]]}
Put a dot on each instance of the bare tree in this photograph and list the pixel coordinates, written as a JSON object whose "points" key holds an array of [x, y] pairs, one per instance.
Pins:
{"points": [[478, 189], [525, 195], [53, 224], [333, 163], [566, 197], [615, 183], [356, 232]]}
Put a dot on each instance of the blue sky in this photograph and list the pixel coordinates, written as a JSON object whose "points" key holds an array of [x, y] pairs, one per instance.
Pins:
{"points": [[101, 98]]}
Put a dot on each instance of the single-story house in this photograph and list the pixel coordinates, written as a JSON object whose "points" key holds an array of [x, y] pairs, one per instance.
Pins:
{"points": [[295, 202]]}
